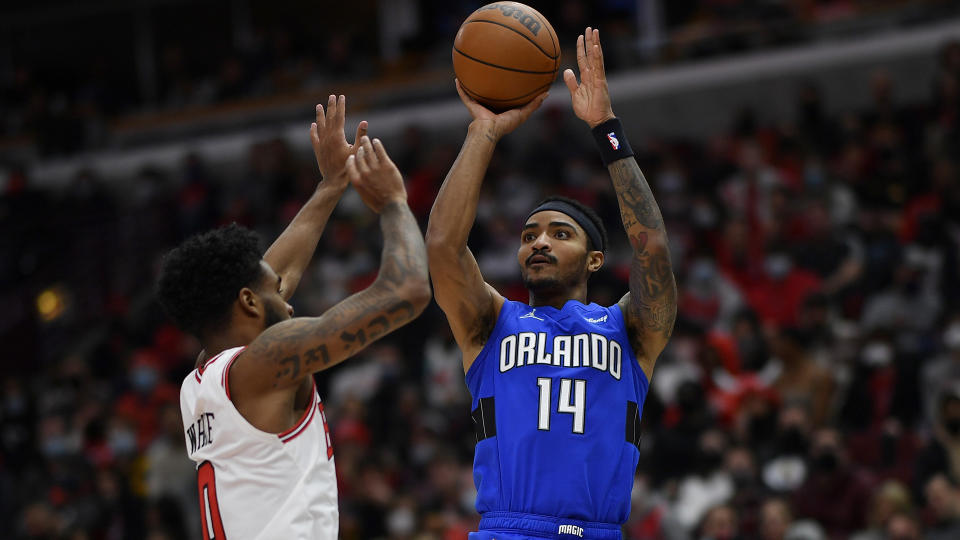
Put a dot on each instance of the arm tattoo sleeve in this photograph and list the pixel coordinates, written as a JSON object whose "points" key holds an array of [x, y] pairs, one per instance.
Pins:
{"points": [[304, 345], [653, 290]]}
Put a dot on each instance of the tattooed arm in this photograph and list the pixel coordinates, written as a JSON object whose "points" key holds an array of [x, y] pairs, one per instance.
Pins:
{"points": [[266, 376], [650, 307], [470, 304], [293, 249]]}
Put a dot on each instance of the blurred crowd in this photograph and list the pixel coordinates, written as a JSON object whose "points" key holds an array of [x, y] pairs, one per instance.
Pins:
{"points": [[811, 389], [83, 93]]}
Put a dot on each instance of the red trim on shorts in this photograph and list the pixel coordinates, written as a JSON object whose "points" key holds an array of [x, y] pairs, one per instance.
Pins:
{"points": [[308, 415]]}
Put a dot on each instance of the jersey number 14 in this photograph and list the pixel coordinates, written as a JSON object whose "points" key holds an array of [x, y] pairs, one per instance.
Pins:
{"points": [[572, 400]]}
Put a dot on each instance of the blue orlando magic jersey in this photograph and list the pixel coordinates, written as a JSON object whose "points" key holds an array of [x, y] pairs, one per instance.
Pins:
{"points": [[557, 397]]}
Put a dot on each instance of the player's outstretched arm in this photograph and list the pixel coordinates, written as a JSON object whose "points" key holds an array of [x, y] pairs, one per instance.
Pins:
{"points": [[650, 307], [287, 352], [470, 304], [293, 249]]}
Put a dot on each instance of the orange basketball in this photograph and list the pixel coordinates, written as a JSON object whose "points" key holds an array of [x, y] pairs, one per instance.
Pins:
{"points": [[505, 54]]}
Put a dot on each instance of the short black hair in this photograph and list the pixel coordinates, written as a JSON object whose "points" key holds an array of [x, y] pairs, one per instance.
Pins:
{"points": [[202, 276], [589, 212]]}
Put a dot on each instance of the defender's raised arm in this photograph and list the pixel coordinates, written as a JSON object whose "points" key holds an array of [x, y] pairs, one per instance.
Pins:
{"points": [[651, 305], [292, 250], [285, 353]]}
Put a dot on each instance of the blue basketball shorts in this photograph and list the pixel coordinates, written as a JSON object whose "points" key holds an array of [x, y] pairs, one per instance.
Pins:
{"points": [[517, 526]]}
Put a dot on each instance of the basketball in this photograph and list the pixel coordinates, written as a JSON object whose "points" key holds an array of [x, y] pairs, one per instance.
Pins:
{"points": [[505, 54]]}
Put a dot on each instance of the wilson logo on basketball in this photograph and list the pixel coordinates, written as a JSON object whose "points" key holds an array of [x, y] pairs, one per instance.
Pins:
{"points": [[505, 54], [526, 19]]}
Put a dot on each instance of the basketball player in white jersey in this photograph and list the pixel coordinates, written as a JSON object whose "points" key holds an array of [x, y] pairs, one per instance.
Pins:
{"points": [[253, 421]]}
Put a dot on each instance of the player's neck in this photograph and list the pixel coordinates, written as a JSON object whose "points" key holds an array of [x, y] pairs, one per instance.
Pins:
{"points": [[557, 298], [228, 339]]}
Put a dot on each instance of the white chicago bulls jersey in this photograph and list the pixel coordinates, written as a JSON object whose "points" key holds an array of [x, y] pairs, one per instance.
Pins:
{"points": [[253, 484]]}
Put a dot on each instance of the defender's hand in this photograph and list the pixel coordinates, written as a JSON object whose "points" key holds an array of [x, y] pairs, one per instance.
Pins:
{"points": [[503, 123], [374, 175], [329, 143], [591, 98]]}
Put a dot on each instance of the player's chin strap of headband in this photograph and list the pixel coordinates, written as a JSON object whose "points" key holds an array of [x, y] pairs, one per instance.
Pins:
{"points": [[593, 233]]}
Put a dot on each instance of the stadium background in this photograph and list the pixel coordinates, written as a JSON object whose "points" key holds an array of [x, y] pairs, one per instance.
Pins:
{"points": [[804, 154]]}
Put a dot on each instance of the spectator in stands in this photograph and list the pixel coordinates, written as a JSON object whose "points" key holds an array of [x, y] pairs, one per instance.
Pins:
{"points": [[748, 491], [719, 523], [751, 344], [943, 501], [707, 298], [171, 478], [650, 516], [781, 289], [903, 526], [800, 379], [785, 468], [943, 372], [775, 519], [836, 493], [938, 456], [889, 499], [708, 484]]}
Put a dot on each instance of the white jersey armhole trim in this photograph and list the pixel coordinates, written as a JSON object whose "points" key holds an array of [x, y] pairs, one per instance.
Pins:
{"points": [[232, 409]]}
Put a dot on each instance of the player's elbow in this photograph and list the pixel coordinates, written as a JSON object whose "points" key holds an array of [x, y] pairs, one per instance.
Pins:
{"points": [[441, 251], [655, 242], [415, 292], [436, 244], [419, 294]]}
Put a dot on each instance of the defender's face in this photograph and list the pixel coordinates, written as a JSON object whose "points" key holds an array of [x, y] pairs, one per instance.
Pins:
{"points": [[276, 309], [553, 251]]}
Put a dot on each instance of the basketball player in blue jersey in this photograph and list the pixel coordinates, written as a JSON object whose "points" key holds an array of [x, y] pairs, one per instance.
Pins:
{"points": [[558, 384]]}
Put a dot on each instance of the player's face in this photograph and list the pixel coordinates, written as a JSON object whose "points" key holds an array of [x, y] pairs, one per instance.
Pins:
{"points": [[275, 308], [553, 252]]}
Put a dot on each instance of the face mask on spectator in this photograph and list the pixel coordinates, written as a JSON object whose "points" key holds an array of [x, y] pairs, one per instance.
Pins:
{"points": [[952, 425], [401, 521], [877, 354], [741, 477], [55, 446], [704, 216], [15, 404], [122, 441], [951, 337], [777, 266], [760, 428], [826, 461], [143, 378], [710, 460], [792, 442], [702, 276]]}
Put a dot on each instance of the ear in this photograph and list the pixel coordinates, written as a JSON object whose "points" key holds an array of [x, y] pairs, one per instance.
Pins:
{"points": [[594, 261], [249, 302]]}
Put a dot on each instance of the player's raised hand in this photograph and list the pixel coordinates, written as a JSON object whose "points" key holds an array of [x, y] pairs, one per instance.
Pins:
{"points": [[590, 98], [502, 123], [374, 175], [330, 146]]}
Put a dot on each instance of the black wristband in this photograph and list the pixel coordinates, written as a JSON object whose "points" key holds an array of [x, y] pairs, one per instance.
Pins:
{"points": [[611, 141]]}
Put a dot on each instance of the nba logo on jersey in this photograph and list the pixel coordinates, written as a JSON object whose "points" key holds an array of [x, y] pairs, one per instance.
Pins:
{"points": [[613, 140]]}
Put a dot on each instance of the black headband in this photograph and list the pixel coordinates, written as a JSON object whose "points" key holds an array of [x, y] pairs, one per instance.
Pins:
{"points": [[593, 233]]}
